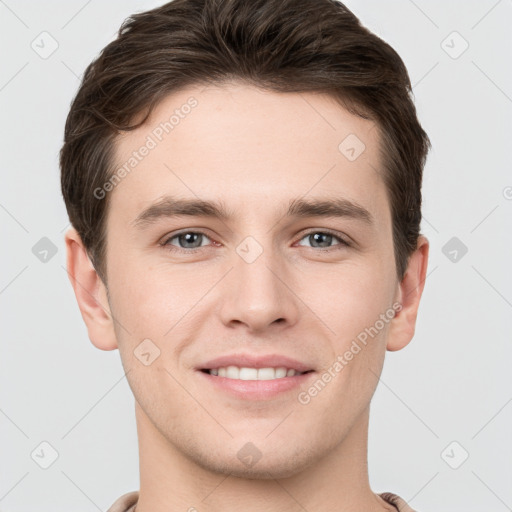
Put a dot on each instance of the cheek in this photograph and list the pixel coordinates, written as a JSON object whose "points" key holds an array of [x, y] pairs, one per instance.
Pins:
{"points": [[359, 311], [149, 299], [357, 296]]}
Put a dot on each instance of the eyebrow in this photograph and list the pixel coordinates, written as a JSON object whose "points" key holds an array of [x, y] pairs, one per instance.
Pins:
{"points": [[169, 207]]}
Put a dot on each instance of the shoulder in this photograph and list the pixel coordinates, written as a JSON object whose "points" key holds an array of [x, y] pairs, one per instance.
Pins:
{"points": [[125, 503], [399, 503]]}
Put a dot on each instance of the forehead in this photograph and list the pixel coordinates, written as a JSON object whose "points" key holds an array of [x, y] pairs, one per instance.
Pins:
{"points": [[248, 147]]}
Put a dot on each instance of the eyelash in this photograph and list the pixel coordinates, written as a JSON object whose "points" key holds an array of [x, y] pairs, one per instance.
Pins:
{"points": [[342, 242]]}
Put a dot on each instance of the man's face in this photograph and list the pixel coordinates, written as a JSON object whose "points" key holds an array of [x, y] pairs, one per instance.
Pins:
{"points": [[258, 282]]}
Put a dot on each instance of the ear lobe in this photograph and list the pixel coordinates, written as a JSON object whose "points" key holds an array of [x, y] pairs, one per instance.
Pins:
{"points": [[90, 293], [409, 293]]}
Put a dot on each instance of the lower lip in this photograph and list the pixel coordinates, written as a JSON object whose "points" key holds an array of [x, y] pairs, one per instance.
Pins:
{"points": [[256, 389]]}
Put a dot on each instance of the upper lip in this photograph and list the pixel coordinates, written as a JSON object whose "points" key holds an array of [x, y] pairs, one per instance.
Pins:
{"points": [[255, 361]]}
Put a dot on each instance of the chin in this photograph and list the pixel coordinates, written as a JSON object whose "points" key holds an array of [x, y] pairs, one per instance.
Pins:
{"points": [[251, 463]]}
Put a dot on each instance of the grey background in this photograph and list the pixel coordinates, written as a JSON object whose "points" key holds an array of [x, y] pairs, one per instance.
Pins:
{"points": [[452, 383]]}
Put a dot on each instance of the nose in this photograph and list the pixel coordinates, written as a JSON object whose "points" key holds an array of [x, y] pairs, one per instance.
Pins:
{"points": [[259, 294]]}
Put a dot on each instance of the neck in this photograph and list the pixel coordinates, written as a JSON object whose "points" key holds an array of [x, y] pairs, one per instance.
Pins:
{"points": [[171, 481]]}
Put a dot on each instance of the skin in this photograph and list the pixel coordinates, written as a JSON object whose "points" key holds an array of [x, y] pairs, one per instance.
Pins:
{"points": [[254, 150]]}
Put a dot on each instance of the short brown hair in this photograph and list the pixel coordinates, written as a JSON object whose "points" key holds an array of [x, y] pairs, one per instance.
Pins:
{"points": [[278, 45]]}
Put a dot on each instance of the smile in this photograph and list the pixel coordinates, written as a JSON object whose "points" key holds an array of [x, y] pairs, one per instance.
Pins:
{"points": [[247, 373]]}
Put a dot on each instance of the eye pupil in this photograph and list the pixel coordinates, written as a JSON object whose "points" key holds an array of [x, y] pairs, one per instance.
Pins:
{"points": [[189, 238], [316, 237]]}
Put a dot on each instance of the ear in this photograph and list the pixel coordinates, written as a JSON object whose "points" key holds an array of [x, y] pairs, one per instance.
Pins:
{"points": [[90, 292], [408, 295]]}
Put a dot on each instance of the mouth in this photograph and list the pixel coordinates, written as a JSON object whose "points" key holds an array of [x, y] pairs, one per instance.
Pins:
{"points": [[245, 376], [246, 384], [248, 373]]}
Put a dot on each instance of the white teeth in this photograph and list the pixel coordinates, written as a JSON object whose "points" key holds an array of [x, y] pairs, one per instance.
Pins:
{"points": [[244, 373], [232, 372]]}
